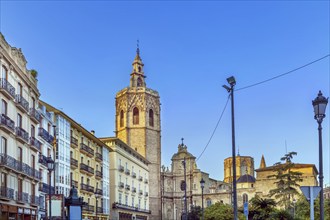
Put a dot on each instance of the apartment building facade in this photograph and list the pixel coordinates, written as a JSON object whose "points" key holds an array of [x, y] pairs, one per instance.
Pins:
{"points": [[82, 161], [129, 174], [19, 142]]}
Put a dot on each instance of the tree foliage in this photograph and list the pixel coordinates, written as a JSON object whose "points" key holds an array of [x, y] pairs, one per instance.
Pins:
{"points": [[220, 211], [261, 208], [286, 180]]}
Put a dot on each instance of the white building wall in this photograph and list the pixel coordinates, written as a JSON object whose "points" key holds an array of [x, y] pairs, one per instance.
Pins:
{"points": [[106, 181]]}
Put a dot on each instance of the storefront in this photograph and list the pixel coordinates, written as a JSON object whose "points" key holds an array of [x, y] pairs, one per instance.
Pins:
{"points": [[13, 212]]}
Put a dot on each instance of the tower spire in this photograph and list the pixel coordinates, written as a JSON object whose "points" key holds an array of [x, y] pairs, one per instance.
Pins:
{"points": [[262, 162], [137, 75], [138, 47]]}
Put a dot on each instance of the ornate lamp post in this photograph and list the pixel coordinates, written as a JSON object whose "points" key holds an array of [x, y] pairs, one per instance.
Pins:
{"points": [[50, 166], [320, 104], [232, 82], [202, 182], [294, 201]]}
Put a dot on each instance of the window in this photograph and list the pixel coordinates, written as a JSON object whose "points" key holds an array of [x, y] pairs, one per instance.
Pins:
{"points": [[33, 131], [19, 154], [121, 121], [139, 206], [33, 189], [208, 202], [19, 120], [135, 116], [20, 185], [48, 128], [126, 200], [139, 82], [151, 118], [3, 107], [3, 146], [3, 182], [33, 161], [33, 103], [88, 181], [245, 198], [4, 73], [20, 89], [82, 179], [119, 198], [132, 201]]}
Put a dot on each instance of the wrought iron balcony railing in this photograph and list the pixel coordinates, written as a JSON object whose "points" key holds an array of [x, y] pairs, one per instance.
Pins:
{"points": [[99, 174], [140, 192], [121, 168], [7, 123], [7, 88], [99, 191], [74, 142], [43, 159], [134, 189], [35, 143], [22, 197], [118, 205], [145, 180], [22, 134], [121, 184], [44, 187], [140, 178], [86, 187], [127, 187], [22, 103], [17, 166], [35, 115], [133, 174], [73, 162], [89, 170], [98, 156], [34, 200], [74, 183], [46, 136], [127, 171], [85, 149], [99, 210], [6, 193]]}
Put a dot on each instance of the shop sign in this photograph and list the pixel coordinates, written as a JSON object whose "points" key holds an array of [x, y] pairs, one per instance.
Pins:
{"points": [[27, 211], [20, 210]]}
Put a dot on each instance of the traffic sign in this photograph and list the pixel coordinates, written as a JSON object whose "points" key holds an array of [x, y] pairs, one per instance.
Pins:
{"points": [[246, 208], [309, 191]]}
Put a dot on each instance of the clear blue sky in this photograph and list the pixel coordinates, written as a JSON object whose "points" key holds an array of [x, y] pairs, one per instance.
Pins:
{"points": [[83, 52]]}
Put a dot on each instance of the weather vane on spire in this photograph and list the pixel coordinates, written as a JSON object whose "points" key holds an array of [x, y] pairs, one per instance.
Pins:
{"points": [[138, 47]]}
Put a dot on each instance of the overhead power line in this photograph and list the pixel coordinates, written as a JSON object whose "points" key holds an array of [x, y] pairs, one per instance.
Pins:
{"points": [[215, 128], [283, 74], [255, 84]]}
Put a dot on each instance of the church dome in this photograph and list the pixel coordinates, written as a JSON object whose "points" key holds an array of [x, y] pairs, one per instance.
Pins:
{"points": [[246, 179]]}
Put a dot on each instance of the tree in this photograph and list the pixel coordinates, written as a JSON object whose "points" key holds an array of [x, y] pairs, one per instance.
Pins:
{"points": [[220, 211], [195, 213], [286, 181], [261, 208], [281, 215]]}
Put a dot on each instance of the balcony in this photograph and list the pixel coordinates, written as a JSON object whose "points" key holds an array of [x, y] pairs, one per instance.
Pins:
{"points": [[35, 144], [35, 116], [121, 185], [98, 157], [87, 150], [21, 103], [74, 183], [7, 124], [146, 194], [127, 187], [117, 205], [134, 189], [7, 89], [86, 169], [22, 135], [88, 208], [46, 136], [22, 197], [121, 168], [99, 210], [140, 192], [73, 163], [42, 203], [42, 159], [44, 187], [99, 192], [127, 172], [146, 180], [34, 200], [140, 178], [133, 174], [86, 188], [19, 167], [6, 193], [74, 142], [98, 174]]}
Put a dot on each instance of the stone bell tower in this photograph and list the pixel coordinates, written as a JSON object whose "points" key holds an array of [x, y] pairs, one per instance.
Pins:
{"points": [[138, 125]]}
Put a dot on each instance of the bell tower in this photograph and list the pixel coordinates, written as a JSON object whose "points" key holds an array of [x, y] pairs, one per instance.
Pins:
{"points": [[138, 125]]}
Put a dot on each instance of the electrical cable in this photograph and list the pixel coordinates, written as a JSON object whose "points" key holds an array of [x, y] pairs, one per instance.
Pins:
{"points": [[283, 74], [214, 128]]}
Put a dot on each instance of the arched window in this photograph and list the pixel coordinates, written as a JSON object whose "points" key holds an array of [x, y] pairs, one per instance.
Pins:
{"points": [[151, 118], [208, 202], [245, 198], [139, 81], [121, 118], [135, 116]]}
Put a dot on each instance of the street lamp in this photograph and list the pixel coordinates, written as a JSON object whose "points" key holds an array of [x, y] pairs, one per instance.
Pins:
{"points": [[202, 182], [50, 166], [294, 201], [232, 82], [320, 104]]}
